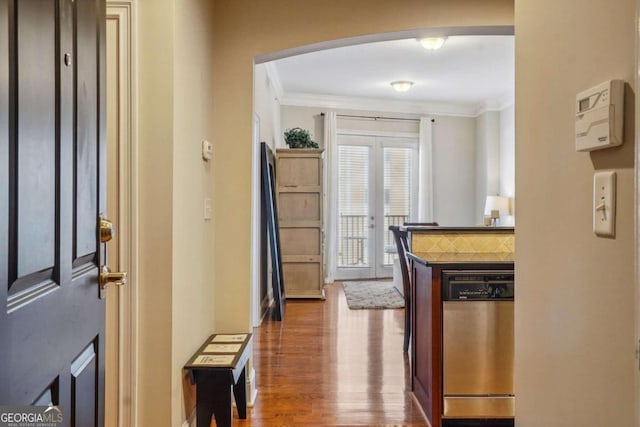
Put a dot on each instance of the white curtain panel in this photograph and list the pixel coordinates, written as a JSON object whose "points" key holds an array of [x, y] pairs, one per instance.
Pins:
{"points": [[425, 171], [329, 235]]}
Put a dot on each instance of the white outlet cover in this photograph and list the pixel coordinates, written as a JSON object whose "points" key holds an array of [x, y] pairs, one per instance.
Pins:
{"points": [[604, 203]]}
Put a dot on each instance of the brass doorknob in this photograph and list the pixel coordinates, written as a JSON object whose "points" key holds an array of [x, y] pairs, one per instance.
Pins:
{"points": [[107, 230], [107, 277]]}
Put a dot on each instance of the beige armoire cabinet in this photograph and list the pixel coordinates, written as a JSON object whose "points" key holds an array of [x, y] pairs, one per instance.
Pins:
{"points": [[299, 190]]}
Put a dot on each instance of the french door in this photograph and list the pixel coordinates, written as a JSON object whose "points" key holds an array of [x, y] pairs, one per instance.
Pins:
{"points": [[376, 186]]}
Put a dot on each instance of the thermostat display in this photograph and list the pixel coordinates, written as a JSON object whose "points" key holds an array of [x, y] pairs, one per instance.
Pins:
{"points": [[599, 116], [583, 105]]}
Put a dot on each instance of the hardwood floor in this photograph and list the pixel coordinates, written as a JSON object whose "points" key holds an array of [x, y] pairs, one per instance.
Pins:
{"points": [[326, 365]]}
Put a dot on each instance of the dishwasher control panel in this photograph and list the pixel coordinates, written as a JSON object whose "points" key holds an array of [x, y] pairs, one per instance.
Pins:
{"points": [[478, 285]]}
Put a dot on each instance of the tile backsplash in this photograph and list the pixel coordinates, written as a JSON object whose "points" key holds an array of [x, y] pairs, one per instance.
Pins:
{"points": [[467, 243]]}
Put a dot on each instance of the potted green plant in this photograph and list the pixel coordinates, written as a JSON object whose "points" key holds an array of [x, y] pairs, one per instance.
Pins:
{"points": [[299, 138]]}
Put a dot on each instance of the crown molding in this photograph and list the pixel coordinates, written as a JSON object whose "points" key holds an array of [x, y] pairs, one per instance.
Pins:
{"points": [[379, 105], [496, 105], [507, 101]]}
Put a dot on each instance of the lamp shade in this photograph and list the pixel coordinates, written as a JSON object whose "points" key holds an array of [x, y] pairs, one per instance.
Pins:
{"points": [[497, 203]]}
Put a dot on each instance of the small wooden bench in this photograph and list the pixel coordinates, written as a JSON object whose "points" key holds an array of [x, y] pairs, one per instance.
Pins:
{"points": [[216, 368]]}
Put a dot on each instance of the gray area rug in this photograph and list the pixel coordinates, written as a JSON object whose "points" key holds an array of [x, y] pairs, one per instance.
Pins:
{"points": [[372, 294]]}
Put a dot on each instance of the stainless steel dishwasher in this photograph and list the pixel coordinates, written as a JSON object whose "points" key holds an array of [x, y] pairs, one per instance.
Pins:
{"points": [[478, 344]]}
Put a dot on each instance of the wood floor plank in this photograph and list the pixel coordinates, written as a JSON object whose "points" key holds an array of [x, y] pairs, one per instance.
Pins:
{"points": [[327, 365]]}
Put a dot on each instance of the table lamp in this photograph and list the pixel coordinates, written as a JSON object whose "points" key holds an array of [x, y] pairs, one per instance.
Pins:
{"points": [[494, 207]]}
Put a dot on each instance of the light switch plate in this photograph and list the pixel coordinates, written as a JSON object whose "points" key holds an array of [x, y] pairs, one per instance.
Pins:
{"points": [[604, 203], [208, 209]]}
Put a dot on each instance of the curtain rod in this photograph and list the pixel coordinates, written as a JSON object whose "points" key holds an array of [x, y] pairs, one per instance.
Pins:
{"points": [[377, 117]]}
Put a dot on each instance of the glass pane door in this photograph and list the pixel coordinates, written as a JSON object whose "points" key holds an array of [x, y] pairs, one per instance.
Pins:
{"points": [[376, 185], [354, 210], [396, 206]]}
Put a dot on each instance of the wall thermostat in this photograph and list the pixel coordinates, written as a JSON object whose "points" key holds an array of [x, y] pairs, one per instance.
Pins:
{"points": [[599, 116], [207, 150]]}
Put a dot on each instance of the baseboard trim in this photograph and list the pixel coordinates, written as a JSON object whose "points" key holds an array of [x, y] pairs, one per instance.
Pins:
{"points": [[189, 422], [251, 388], [254, 396]]}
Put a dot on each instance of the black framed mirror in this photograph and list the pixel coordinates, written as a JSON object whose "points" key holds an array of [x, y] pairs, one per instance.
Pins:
{"points": [[268, 179]]}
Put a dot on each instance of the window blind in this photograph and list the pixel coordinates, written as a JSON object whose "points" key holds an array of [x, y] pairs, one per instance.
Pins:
{"points": [[353, 205]]}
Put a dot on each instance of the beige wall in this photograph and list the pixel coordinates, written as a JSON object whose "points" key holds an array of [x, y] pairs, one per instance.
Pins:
{"points": [[495, 160], [155, 142], [507, 152], [176, 291], [193, 290], [304, 117], [244, 29], [575, 292], [454, 168], [266, 107], [487, 159], [508, 161]]}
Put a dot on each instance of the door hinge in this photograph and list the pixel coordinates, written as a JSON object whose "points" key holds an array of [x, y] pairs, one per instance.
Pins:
{"points": [[638, 353]]}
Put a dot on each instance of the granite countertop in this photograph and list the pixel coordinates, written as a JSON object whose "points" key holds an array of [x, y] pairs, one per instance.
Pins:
{"points": [[462, 258]]}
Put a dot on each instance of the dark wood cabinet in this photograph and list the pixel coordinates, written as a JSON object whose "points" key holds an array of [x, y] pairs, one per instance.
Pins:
{"points": [[427, 309], [426, 340]]}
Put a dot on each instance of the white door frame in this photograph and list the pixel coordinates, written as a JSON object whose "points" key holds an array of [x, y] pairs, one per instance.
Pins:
{"points": [[636, 169], [256, 314], [375, 242], [637, 220], [123, 14]]}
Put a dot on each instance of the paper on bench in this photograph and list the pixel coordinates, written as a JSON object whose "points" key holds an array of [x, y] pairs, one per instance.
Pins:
{"points": [[230, 338], [213, 359], [222, 348]]}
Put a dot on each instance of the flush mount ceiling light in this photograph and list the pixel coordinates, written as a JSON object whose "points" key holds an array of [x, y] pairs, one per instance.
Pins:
{"points": [[401, 85], [432, 43]]}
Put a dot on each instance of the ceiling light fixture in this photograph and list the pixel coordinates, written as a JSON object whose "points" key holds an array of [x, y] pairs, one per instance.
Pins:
{"points": [[401, 85], [432, 43]]}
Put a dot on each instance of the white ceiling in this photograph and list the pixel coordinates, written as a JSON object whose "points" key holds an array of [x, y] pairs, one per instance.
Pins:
{"points": [[475, 71]]}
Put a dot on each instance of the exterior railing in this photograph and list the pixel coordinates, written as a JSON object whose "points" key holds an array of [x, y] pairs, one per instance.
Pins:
{"points": [[353, 231], [388, 235], [352, 248]]}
